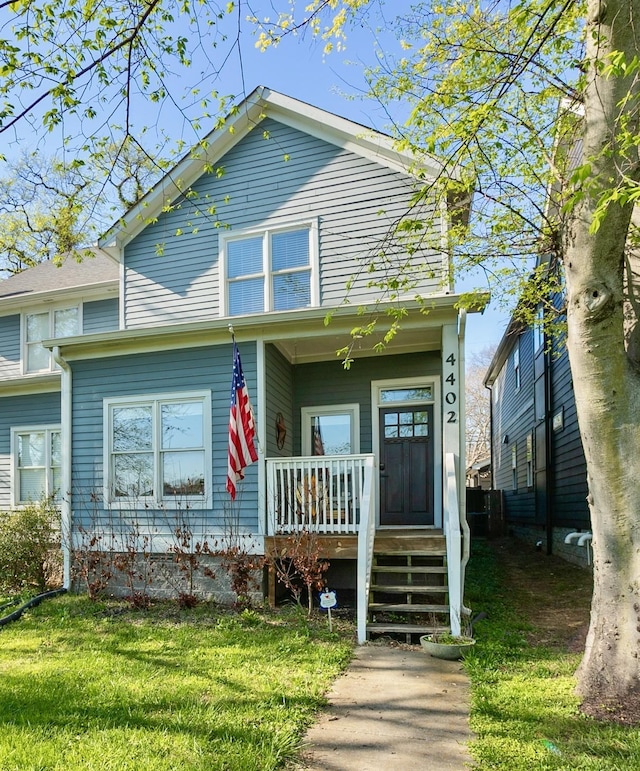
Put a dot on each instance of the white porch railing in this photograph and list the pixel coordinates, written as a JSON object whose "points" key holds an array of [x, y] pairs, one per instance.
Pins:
{"points": [[322, 493], [454, 542]]}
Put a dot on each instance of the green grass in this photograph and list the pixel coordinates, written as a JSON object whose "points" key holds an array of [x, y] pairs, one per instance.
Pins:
{"points": [[88, 686], [523, 711]]}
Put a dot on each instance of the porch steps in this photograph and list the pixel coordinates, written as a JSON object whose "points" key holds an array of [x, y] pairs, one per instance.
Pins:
{"points": [[408, 596]]}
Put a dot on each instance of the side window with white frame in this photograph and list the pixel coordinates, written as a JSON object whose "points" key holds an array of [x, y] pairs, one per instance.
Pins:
{"points": [[52, 323], [269, 270], [538, 329], [530, 460], [158, 448], [514, 466], [331, 430], [37, 463], [516, 365]]}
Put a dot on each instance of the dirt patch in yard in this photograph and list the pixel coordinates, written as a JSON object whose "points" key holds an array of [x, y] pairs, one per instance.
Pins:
{"points": [[554, 595]]}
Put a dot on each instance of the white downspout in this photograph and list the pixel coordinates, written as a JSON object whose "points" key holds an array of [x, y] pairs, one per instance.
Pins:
{"points": [[65, 421]]}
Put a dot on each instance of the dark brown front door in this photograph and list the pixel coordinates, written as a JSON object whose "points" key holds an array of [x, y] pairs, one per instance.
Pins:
{"points": [[406, 465]]}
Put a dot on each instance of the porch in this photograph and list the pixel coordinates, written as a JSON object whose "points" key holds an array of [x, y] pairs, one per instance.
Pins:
{"points": [[412, 574]]}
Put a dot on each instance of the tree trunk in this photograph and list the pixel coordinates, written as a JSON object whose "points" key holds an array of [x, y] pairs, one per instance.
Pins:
{"points": [[606, 379]]}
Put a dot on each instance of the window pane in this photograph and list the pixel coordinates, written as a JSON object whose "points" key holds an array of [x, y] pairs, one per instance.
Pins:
{"points": [[132, 428], [65, 322], [331, 434], [57, 484], [246, 296], [56, 449], [182, 425], [37, 327], [37, 358], [31, 450], [133, 475], [244, 257], [32, 484], [291, 290], [407, 394], [183, 473], [290, 249]]}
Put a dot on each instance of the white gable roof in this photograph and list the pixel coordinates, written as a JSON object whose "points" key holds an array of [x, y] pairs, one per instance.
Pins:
{"points": [[262, 103]]}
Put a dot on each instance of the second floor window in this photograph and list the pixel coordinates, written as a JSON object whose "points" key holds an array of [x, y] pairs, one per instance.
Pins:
{"points": [[59, 322], [269, 271]]}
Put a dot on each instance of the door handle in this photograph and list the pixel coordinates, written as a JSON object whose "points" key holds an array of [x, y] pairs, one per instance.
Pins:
{"points": [[382, 467]]}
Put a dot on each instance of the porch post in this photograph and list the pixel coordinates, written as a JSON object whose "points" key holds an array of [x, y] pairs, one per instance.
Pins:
{"points": [[451, 441]]}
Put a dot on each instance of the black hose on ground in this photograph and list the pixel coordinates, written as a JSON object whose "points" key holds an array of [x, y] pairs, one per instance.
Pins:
{"points": [[30, 604]]}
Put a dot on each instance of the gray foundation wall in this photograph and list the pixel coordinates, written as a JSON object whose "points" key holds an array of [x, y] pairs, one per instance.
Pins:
{"points": [[533, 534]]}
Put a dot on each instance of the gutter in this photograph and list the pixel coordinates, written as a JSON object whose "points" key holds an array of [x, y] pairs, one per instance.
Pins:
{"points": [[65, 421]]}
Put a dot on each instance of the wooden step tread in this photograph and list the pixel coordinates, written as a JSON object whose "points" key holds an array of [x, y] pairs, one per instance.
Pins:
{"points": [[408, 588], [409, 552], [408, 628], [408, 608], [408, 569]]}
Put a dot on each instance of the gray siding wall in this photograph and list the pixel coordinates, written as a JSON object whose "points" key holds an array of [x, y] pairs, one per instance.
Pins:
{"points": [[279, 399], [513, 416], [327, 383], [100, 316], [154, 373], [16, 411], [355, 200], [9, 346], [570, 468]]}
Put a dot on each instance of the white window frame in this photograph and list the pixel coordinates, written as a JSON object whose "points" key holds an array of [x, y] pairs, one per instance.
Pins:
{"points": [[516, 365], [538, 329], [514, 467], [47, 429], [265, 232], [155, 401], [25, 344], [530, 460], [306, 413]]}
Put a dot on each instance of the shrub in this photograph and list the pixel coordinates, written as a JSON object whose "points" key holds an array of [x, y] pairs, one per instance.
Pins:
{"points": [[30, 555]]}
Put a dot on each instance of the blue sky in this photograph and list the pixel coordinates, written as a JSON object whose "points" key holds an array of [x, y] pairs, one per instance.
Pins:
{"points": [[299, 68]]}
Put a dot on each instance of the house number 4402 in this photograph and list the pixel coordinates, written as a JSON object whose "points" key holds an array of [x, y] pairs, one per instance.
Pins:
{"points": [[451, 390]]}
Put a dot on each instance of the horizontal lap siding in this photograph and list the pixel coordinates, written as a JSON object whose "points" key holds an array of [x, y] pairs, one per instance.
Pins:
{"points": [[9, 346], [570, 470], [513, 416], [328, 383], [194, 369], [355, 200], [279, 399], [100, 316], [17, 411]]}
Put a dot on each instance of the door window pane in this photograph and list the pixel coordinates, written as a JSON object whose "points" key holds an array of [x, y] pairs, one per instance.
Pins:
{"points": [[424, 394]]}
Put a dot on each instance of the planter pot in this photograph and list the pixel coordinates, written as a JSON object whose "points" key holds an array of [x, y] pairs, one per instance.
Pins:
{"points": [[451, 651]]}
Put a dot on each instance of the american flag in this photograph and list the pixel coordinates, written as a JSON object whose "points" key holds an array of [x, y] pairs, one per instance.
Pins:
{"points": [[242, 430]]}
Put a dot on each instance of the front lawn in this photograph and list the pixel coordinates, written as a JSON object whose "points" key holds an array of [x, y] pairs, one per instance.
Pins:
{"points": [[523, 710], [97, 686]]}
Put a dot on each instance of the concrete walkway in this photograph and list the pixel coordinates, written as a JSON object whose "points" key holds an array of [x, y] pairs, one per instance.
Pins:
{"points": [[395, 708]]}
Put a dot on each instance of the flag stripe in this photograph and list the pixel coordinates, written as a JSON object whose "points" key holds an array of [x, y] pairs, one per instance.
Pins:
{"points": [[242, 451]]}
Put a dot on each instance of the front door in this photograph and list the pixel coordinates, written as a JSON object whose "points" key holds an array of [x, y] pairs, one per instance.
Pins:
{"points": [[406, 465]]}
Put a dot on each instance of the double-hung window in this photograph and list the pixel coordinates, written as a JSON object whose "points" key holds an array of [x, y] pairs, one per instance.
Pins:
{"points": [[159, 448], [37, 463], [269, 270], [52, 323]]}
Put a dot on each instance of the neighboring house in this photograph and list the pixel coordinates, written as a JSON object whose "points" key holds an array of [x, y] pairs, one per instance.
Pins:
{"points": [[124, 407], [537, 458]]}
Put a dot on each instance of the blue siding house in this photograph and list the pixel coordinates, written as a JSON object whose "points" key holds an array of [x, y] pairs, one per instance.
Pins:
{"points": [[115, 373], [536, 450]]}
